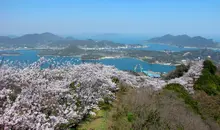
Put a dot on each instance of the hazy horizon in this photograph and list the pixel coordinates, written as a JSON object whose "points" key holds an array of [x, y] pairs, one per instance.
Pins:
{"points": [[152, 18], [116, 37]]}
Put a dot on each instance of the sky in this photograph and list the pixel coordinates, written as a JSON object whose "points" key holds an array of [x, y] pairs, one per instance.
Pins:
{"points": [[150, 17]]}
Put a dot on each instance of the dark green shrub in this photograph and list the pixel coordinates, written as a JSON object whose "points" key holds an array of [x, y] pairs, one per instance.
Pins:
{"points": [[178, 72], [73, 86], [130, 116], [78, 102], [208, 81], [115, 80], [49, 111], [15, 91], [62, 100], [210, 66], [71, 125], [12, 96]]}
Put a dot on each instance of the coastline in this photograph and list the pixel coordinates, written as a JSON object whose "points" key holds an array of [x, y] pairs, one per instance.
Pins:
{"points": [[159, 63], [10, 54], [188, 47], [76, 56]]}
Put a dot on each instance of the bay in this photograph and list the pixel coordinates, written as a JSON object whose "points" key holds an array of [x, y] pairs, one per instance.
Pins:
{"points": [[30, 56]]}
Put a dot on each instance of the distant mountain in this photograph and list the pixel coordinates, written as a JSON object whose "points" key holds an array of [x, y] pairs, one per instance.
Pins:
{"points": [[68, 51], [36, 38], [4, 39], [85, 43], [70, 38], [29, 40], [184, 40], [50, 40]]}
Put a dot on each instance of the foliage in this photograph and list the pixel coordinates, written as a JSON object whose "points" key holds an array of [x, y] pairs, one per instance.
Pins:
{"points": [[207, 92], [178, 72], [206, 96], [123, 88], [98, 122], [73, 85], [71, 125], [91, 56], [208, 81], [209, 105], [130, 116], [167, 109], [15, 91], [142, 109], [49, 111], [210, 66], [182, 93], [12, 97], [106, 104], [115, 80], [78, 102]]}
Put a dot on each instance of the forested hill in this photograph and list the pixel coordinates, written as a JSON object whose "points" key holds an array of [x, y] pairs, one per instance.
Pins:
{"points": [[184, 40], [28, 40]]}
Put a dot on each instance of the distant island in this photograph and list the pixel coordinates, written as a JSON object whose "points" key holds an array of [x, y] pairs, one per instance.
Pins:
{"points": [[49, 40], [184, 40]]}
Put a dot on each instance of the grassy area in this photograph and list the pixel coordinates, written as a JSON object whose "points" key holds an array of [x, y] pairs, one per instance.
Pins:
{"points": [[99, 122], [104, 117]]}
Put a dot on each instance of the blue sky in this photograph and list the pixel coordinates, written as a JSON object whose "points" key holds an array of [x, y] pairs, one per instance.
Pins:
{"points": [[150, 17]]}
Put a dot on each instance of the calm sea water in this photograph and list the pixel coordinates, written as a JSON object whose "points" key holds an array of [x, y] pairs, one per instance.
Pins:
{"points": [[30, 56]]}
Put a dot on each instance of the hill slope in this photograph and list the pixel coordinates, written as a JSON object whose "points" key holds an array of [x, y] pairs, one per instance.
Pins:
{"points": [[184, 40]]}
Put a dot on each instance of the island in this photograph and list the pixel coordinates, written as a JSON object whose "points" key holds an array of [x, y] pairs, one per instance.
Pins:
{"points": [[184, 41]]}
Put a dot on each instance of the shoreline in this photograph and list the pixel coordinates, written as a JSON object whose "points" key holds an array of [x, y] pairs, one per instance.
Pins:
{"points": [[158, 63], [10, 54], [188, 47], [76, 56]]}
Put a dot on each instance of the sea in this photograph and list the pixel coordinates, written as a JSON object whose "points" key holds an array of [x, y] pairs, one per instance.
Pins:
{"points": [[129, 64]]}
